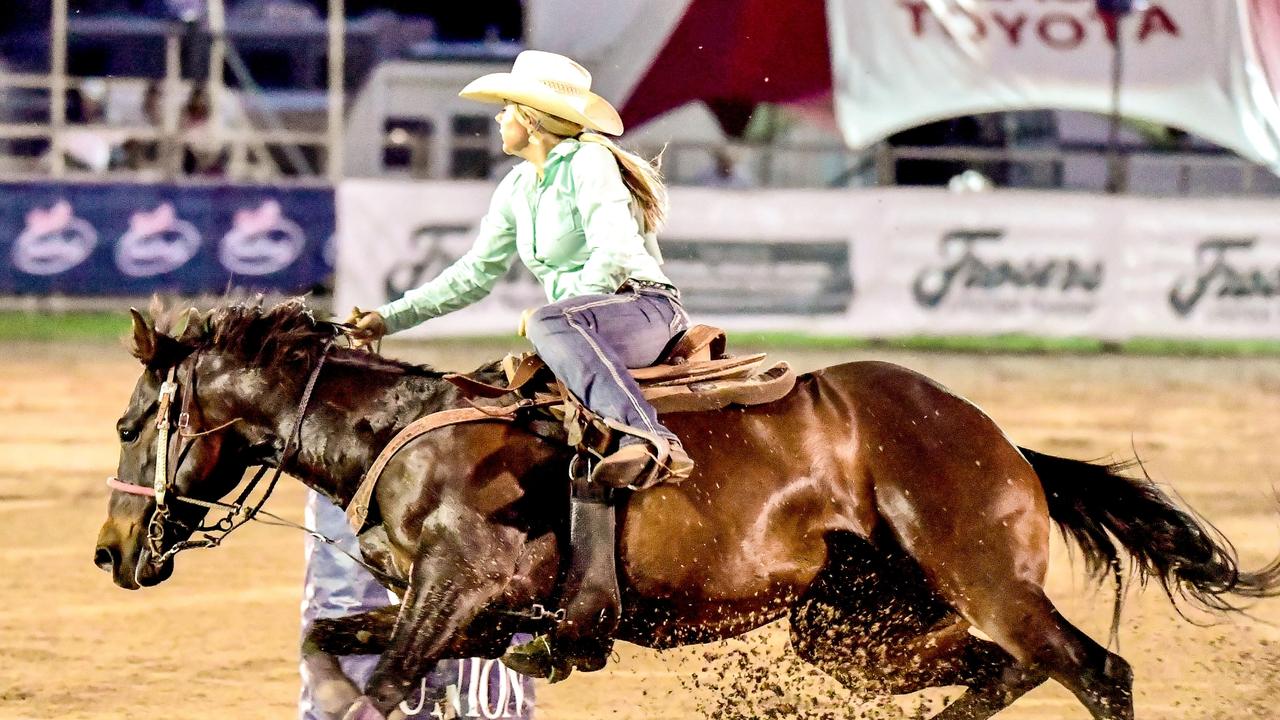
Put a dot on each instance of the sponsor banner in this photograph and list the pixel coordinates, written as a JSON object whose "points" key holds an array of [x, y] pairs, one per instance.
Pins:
{"points": [[1203, 269], [936, 263], [88, 239], [1189, 64], [877, 263]]}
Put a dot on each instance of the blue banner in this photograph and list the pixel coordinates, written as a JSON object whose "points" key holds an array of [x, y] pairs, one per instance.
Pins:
{"points": [[119, 239]]}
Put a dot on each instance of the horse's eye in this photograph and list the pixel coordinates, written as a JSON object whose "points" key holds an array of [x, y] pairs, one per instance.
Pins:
{"points": [[128, 435]]}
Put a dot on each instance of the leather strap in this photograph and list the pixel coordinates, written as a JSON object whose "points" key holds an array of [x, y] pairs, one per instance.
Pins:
{"points": [[358, 509], [529, 366]]}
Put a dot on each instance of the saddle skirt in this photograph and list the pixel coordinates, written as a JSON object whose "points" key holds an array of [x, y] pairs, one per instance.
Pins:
{"points": [[696, 375]]}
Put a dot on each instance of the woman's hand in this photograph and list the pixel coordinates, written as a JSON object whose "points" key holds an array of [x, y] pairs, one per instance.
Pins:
{"points": [[369, 327]]}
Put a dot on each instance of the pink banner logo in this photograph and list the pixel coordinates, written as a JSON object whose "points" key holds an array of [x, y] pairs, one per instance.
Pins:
{"points": [[262, 241], [54, 241], [157, 242]]}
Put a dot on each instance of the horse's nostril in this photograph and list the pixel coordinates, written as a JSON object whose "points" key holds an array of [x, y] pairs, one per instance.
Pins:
{"points": [[105, 559]]}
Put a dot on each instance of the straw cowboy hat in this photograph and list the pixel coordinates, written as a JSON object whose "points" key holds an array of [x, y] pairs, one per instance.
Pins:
{"points": [[551, 83]]}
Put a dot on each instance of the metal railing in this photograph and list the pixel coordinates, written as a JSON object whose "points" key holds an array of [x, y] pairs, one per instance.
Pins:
{"points": [[1075, 167], [253, 152]]}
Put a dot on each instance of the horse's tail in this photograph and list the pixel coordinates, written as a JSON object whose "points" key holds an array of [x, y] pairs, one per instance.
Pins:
{"points": [[1097, 505]]}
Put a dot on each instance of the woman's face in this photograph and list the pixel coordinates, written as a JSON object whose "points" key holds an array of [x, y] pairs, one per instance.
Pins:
{"points": [[515, 136]]}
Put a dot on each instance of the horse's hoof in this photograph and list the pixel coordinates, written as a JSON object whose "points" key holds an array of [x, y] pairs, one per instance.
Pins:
{"points": [[532, 659], [363, 709]]}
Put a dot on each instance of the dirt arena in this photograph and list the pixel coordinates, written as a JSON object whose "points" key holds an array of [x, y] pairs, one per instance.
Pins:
{"points": [[220, 638]]}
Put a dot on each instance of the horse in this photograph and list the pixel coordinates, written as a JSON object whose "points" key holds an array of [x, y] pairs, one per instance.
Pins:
{"points": [[883, 515]]}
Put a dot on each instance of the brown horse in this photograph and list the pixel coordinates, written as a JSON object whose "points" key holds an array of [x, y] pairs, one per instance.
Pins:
{"points": [[882, 514]]}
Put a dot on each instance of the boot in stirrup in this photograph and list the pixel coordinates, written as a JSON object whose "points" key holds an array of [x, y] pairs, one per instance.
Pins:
{"points": [[644, 463], [584, 639]]}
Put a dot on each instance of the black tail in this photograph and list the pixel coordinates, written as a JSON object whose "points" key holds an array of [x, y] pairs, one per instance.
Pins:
{"points": [[1097, 505]]}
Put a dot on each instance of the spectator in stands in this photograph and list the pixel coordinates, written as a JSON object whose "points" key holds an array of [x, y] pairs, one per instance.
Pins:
{"points": [[204, 151], [725, 171], [140, 154], [86, 144]]}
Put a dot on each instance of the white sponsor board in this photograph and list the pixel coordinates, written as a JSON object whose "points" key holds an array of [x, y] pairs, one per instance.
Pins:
{"points": [[1190, 64], [876, 263], [1202, 269], [940, 264]]}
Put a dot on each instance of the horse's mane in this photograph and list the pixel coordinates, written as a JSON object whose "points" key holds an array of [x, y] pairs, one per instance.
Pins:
{"points": [[284, 334]]}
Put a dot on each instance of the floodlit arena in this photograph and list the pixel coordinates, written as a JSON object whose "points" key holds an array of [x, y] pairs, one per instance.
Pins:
{"points": [[1059, 216]]}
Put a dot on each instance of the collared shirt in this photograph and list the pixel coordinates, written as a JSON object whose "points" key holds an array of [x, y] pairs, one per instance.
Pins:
{"points": [[575, 230]]}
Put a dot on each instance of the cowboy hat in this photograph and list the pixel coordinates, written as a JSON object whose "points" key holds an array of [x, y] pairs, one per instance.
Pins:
{"points": [[551, 83]]}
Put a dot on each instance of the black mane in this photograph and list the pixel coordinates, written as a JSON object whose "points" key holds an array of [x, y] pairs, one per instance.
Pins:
{"points": [[286, 334]]}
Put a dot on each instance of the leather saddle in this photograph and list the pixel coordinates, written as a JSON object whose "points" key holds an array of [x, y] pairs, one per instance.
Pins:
{"points": [[695, 375]]}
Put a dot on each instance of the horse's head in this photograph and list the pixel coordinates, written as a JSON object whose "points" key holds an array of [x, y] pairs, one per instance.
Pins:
{"points": [[201, 411]]}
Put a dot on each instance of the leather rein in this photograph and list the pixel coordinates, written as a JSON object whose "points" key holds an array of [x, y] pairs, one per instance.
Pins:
{"points": [[239, 512]]}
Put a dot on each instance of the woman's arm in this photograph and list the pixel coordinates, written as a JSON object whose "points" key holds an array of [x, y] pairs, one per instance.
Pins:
{"points": [[468, 279]]}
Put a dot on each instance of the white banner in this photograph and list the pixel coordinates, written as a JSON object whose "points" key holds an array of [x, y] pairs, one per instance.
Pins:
{"points": [[1190, 64], [934, 263], [1203, 269], [877, 263]]}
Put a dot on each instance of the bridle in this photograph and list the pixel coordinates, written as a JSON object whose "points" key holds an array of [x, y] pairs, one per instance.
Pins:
{"points": [[163, 489]]}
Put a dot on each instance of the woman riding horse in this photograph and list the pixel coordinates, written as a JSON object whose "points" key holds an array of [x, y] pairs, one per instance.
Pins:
{"points": [[582, 214]]}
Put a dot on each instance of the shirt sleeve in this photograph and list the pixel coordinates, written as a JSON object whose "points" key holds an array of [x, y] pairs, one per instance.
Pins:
{"points": [[612, 234], [470, 277]]}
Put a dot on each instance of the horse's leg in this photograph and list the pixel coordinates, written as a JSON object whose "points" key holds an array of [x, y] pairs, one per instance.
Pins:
{"points": [[871, 621], [1023, 621], [967, 506], [366, 633], [463, 562]]}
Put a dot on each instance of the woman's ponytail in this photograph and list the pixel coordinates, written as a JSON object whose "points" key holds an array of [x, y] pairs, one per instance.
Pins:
{"points": [[642, 177]]}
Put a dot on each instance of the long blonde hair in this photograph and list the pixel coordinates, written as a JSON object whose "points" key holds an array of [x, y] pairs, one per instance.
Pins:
{"points": [[642, 177]]}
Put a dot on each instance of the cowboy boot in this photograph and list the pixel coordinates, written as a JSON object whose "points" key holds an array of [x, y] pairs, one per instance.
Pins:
{"points": [[641, 464], [591, 598]]}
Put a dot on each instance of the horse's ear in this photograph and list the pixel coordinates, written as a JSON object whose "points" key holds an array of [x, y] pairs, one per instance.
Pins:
{"points": [[155, 349], [190, 326], [144, 338]]}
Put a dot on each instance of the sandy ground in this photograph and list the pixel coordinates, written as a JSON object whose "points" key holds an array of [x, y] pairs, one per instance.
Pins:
{"points": [[219, 639]]}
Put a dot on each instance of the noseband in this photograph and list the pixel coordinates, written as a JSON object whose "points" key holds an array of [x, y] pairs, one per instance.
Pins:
{"points": [[163, 485]]}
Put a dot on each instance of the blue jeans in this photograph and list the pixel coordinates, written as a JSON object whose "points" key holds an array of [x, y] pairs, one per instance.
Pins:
{"points": [[588, 342]]}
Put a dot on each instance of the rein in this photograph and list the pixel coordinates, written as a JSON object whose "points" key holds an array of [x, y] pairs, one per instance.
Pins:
{"points": [[238, 512]]}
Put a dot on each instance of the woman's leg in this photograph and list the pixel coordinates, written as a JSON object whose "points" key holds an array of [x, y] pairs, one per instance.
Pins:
{"points": [[590, 341]]}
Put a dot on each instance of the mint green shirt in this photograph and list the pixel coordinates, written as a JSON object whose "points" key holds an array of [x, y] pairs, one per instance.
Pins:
{"points": [[575, 230]]}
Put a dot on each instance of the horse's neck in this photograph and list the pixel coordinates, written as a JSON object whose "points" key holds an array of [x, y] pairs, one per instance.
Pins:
{"points": [[354, 413]]}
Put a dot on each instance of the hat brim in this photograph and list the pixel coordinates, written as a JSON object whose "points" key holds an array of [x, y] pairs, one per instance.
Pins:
{"points": [[588, 110]]}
